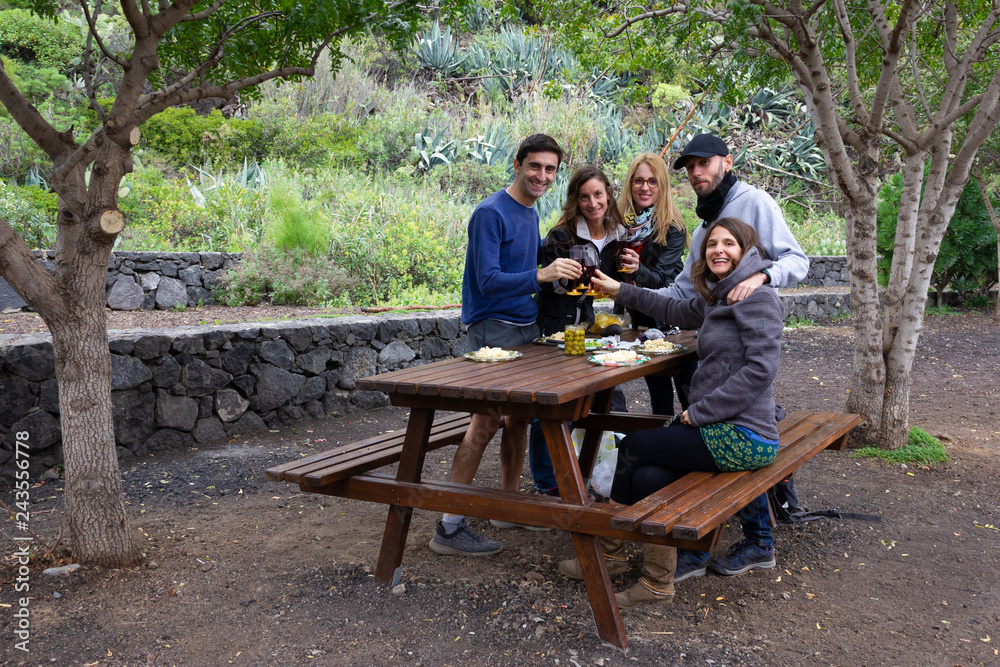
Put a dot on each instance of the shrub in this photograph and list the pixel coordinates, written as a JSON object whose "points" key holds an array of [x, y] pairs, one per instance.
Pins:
{"points": [[19, 154], [471, 180], [179, 134], [293, 224], [922, 448], [33, 39], [162, 215], [967, 259], [31, 211], [283, 277]]}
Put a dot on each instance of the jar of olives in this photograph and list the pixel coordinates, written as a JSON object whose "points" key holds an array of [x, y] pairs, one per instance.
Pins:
{"points": [[574, 337]]}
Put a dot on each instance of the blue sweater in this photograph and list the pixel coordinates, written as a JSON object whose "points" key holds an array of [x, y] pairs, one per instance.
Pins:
{"points": [[501, 262]]}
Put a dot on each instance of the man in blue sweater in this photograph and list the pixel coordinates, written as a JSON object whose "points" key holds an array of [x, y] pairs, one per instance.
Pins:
{"points": [[709, 167], [501, 275]]}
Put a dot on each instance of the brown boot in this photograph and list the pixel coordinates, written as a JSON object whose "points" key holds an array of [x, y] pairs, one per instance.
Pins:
{"points": [[614, 557], [658, 583]]}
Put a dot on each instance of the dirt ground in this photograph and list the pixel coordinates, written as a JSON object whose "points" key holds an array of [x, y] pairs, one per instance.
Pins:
{"points": [[243, 571]]}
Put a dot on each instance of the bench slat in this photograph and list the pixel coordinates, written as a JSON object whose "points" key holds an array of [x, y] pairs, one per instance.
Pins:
{"points": [[385, 448], [717, 485], [790, 429], [749, 485]]}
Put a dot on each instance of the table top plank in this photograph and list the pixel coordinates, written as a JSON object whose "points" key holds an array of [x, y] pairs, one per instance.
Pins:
{"points": [[545, 374]]}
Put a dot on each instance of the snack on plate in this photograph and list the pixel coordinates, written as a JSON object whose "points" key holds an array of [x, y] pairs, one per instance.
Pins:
{"points": [[659, 345], [620, 357], [559, 335], [491, 353], [604, 320]]}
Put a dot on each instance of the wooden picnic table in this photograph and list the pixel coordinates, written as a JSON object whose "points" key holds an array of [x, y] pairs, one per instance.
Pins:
{"points": [[556, 389], [545, 384]]}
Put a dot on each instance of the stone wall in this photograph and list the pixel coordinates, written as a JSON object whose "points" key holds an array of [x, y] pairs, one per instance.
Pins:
{"points": [[827, 271], [174, 388], [147, 280]]}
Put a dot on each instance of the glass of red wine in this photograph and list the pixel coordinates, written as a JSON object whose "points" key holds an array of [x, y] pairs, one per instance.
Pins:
{"points": [[587, 257]]}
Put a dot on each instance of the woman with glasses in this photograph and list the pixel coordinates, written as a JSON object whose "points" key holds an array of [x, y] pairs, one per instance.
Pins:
{"points": [[652, 254]]}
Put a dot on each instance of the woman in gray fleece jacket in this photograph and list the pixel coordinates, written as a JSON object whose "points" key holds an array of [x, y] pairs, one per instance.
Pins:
{"points": [[730, 424]]}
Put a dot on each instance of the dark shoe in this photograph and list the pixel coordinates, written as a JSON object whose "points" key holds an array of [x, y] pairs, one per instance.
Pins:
{"points": [[742, 557], [500, 523], [462, 542], [689, 564], [642, 593]]}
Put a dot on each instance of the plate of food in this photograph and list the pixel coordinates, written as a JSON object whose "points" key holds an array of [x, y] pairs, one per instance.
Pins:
{"points": [[492, 355], [555, 339], [659, 346], [619, 358]]}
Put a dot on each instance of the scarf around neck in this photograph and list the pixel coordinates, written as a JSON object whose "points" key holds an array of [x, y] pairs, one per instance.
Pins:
{"points": [[709, 206], [640, 225]]}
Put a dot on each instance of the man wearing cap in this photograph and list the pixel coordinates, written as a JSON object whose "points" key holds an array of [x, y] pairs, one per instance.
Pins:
{"points": [[709, 167]]}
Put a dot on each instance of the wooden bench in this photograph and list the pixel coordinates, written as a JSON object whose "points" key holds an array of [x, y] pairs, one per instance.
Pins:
{"points": [[689, 512], [701, 502], [359, 457]]}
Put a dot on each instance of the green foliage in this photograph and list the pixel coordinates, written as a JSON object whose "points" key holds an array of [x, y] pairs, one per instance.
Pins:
{"points": [[794, 322], [941, 311], [922, 448], [31, 211], [293, 224], [471, 180], [392, 235], [967, 259], [666, 95], [33, 39], [284, 277], [179, 134]]}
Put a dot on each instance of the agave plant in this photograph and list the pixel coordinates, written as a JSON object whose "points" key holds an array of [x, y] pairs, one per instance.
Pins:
{"points": [[430, 150], [491, 148], [437, 50], [250, 177]]}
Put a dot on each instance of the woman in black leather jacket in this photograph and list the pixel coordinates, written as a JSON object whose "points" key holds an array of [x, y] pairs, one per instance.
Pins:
{"points": [[658, 238]]}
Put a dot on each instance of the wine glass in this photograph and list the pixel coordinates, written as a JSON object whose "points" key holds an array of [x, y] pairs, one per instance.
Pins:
{"points": [[578, 253], [591, 262]]}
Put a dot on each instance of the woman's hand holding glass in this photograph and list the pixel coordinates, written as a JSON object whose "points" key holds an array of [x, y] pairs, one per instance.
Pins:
{"points": [[605, 284], [628, 260]]}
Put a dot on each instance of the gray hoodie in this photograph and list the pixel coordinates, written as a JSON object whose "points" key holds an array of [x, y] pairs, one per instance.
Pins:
{"points": [[759, 210], [738, 347]]}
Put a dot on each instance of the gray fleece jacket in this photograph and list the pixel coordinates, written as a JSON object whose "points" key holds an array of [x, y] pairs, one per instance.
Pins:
{"points": [[759, 210], [738, 347]]}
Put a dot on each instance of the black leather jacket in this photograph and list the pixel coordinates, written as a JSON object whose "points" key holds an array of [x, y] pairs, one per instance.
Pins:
{"points": [[556, 309], [658, 266]]}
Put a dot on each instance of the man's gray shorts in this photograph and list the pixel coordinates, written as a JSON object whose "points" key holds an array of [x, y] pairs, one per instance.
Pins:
{"points": [[495, 333]]}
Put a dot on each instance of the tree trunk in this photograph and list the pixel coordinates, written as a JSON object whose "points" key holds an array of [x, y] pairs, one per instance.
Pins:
{"points": [[94, 500], [996, 225], [868, 368]]}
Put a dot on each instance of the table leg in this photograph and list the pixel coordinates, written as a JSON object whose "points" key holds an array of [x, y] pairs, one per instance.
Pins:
{"points": [[397, 524], [595, 573], [592, 439]]}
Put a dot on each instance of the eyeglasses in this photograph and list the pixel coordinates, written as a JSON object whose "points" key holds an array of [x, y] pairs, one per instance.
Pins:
{"points": [[639, 182]]}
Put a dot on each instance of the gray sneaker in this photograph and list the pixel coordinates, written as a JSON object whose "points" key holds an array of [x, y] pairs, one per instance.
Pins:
{"points": [[500, 523], [462, 542]]}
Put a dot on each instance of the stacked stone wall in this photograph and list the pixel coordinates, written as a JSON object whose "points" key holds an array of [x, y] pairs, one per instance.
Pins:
{"points": [[179, 387], [147, 280]]}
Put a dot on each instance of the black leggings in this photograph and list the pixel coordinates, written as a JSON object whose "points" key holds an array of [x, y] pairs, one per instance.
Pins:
{"points": [[650, 460]]}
